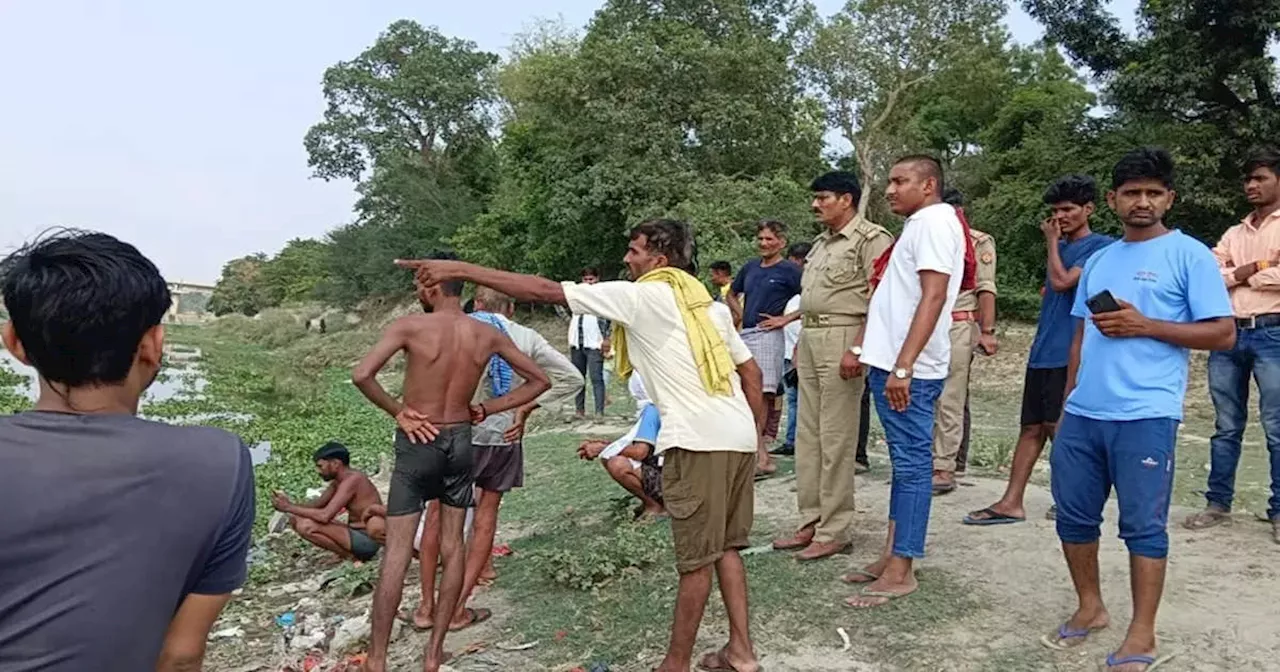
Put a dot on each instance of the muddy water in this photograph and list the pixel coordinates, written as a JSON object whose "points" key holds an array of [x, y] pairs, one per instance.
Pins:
{"points": [[181, 377]]}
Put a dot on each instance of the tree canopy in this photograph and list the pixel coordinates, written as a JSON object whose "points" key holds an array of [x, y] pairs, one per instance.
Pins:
{"points": [[722, 111]]}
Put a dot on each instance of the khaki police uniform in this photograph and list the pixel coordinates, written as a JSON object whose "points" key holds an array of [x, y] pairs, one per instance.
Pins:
{"points": [[948, 426], [835, 293]]}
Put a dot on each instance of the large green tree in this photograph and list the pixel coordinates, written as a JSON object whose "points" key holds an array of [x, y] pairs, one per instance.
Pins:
{"points": [[656, 102], [240, 288]]}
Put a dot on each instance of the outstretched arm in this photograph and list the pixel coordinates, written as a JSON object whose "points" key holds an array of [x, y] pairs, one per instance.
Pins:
{"points": [[536, 381], [519, 287], [365, 375]]}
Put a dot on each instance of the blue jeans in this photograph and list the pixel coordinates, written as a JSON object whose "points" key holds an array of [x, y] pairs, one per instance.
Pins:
{"points": [[1136, 458], [793, 401], [910, 438], [1257, 352]]}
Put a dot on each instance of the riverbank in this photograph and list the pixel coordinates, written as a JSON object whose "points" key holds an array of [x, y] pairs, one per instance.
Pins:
{"points": [[585, 585]]}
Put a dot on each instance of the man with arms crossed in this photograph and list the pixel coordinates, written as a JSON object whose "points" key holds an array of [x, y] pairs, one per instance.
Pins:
{"points": [[768, 283], [1248, 254], [446, 353], [907, 349], [131, 534], [349, 489], [833, 308], [1142, 304], [707, 390], [1069, 243], [498, 457]]}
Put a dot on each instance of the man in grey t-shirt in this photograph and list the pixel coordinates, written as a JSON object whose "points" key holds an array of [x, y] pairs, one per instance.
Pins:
{"points": [[129, 536]]}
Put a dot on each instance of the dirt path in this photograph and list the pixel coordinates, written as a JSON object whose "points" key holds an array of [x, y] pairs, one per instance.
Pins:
{"points": [[1220, 609]]}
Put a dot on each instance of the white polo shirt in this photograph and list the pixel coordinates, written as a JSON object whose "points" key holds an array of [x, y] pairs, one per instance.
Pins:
{"points": [[658, 345], [932, 240]]}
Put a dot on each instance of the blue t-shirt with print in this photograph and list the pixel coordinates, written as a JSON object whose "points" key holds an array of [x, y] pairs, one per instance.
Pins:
{"points": [[1173, 278], [768, 289], [648, 426], [1052, 344]]}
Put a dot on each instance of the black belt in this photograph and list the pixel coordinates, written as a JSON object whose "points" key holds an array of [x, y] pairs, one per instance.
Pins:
{"points": [[1259, 321]]}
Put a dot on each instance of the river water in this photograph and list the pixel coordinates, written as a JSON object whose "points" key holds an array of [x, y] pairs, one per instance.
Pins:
{"points": [[181, 376]]}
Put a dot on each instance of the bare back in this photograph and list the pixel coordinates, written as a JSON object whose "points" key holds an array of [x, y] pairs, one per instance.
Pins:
{"points": [[446, 355]]}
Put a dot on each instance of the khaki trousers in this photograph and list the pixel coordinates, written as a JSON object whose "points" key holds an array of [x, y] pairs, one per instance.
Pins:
{"points": [[948, 412], [827, 432]]}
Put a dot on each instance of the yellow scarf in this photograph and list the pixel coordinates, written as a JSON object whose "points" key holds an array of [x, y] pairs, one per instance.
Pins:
{"points": [[710, 354]]}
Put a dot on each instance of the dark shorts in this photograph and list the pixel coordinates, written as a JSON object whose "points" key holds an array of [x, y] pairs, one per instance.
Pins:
{"points": [[1042, 393], [362, 545], [440, 469], [1136, 457], [651, 479], [711, 499], [499, 468]]}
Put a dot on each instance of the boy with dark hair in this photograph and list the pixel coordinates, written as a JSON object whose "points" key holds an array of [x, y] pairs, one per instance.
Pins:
{"points": [[721, 278], [349, 490], [446, 353], [1143, 303], [1248, 254], [151, 519], [1069, 243]]}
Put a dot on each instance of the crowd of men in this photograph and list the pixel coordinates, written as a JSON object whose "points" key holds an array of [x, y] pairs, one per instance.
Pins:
{"points": [[856, 317]]}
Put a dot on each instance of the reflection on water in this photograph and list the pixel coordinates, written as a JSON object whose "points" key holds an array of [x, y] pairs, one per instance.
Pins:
{"points": [[179, 377], [260, 453]]}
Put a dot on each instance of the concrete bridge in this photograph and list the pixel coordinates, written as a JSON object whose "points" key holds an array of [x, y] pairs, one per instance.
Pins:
{"points": [[189, 301]]}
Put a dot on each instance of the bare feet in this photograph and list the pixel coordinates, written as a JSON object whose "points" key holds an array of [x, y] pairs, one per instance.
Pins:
{"points": [[424, 616], [881, 592], [430, 665], [371, 665], [868, 574]]}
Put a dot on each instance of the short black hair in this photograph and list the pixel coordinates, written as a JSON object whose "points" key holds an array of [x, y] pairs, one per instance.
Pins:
{"points": [[333, 451], [722, 267], [449, 287], [671, 238], [839, 182], [777, 228], [799, 250], [1144, 163], [932, 166], [80, 302], [591, 271], [953, 197], [1263, 157], [1078, 189]]}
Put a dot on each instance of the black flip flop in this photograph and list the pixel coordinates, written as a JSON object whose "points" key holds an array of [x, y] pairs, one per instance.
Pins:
{"points": [[993, 518]]}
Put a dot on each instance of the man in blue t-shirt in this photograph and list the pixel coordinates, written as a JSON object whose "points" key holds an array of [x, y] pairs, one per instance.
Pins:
{"points": [[1069, 243], [1142, 304], [768, 283]]}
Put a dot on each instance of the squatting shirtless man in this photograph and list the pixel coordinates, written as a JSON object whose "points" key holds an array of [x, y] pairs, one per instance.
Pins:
{"points": [[446, 353], [350, 489]]}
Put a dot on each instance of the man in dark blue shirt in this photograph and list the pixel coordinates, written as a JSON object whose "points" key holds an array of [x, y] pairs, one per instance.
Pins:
{"points": [[1069, 243], [132, 534], [768, 284]]}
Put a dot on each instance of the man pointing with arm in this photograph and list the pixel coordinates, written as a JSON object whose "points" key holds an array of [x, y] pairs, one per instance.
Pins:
{"points": [[708, 391]]}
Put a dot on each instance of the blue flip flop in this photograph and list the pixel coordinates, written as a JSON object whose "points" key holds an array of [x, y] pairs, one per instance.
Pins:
{"points": [[993, 518], [1141, 659], [1068, 633]]}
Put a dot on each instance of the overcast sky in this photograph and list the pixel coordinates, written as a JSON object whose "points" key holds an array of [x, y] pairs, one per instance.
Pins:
{"points": [[178, 125]]}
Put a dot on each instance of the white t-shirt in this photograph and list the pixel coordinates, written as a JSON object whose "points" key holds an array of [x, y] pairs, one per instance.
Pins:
{"points": [[791, 332], [932, 240], [658, 345], [592, 332]]}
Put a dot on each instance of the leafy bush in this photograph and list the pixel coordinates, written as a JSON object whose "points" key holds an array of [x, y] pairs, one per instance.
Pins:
{"points": [[624, 548]]}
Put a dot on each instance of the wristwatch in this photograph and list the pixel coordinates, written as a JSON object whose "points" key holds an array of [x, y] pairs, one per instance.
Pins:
{"points": [[856, 350], [901, 374]]}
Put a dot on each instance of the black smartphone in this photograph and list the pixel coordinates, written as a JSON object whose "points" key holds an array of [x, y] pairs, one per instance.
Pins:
{"points": [[1102, 302]]}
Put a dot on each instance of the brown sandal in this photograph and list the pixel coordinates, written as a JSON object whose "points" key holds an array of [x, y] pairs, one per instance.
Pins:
{"points": [[1210, 517]]}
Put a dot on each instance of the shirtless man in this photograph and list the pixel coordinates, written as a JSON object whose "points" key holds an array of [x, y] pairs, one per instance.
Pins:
{"points": [[366, 527], [446, 353]]}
